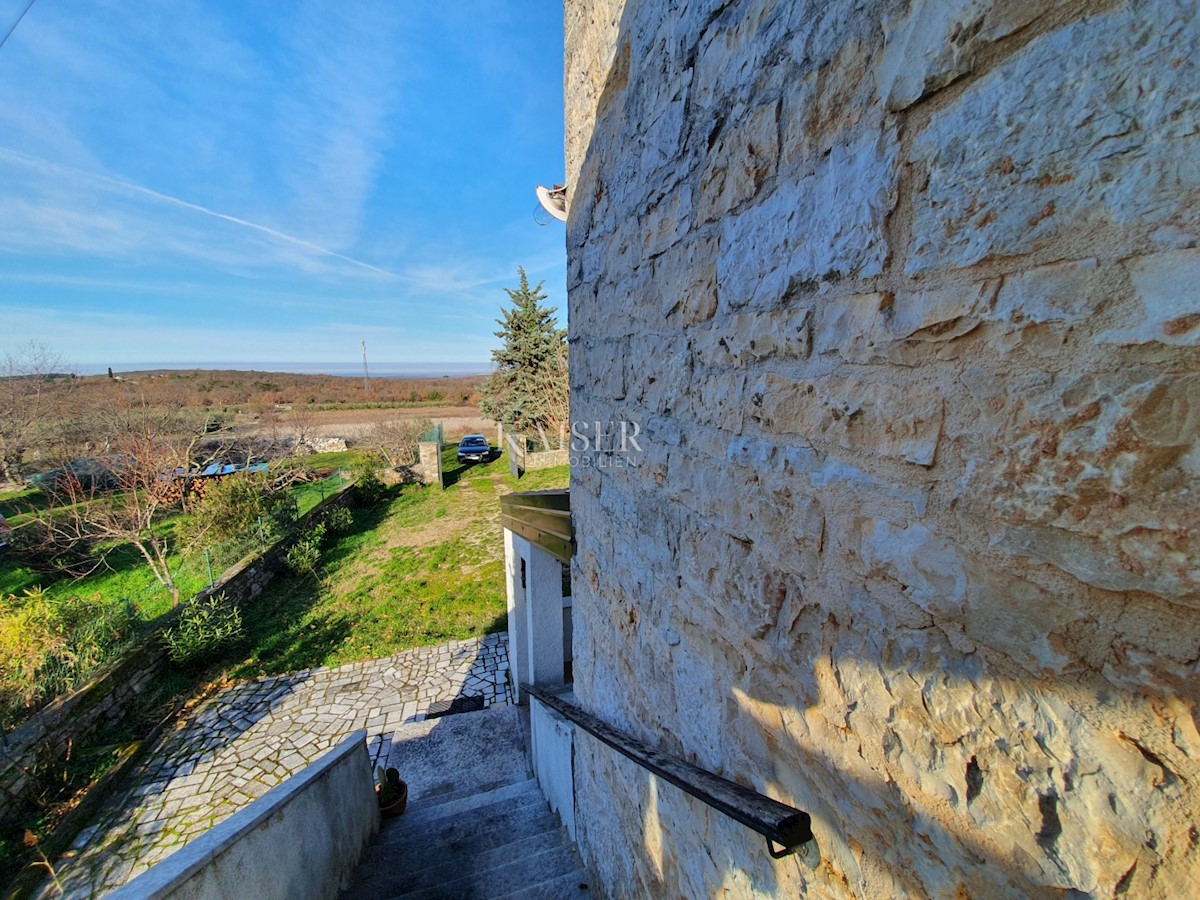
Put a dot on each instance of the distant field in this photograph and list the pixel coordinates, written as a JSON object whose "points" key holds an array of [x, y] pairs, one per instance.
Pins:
{"points": [[279, 403], [348, 423], [279, 407], [217, 389]]}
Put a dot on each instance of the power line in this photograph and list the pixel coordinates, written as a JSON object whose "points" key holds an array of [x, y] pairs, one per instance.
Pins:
{"points": [[27, 8]]}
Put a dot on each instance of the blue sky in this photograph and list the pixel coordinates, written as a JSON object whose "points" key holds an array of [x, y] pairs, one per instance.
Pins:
{"points": [[202, 180]]}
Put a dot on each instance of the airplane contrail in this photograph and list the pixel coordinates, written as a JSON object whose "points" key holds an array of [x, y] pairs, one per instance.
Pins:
{"points": [[37, 162]]}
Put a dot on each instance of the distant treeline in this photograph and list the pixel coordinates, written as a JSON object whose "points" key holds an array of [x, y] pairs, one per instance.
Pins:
{"points": [[219, 388]]}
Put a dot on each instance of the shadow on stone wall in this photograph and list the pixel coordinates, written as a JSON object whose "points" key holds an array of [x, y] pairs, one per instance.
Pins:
{"points": [[952, 727]]}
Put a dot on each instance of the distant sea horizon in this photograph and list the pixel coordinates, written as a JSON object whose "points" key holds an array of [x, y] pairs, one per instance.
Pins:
{"points": [[347, 369]]}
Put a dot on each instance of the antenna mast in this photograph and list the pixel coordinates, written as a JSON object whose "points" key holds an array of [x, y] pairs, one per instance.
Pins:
{"points": [[366, 376]]}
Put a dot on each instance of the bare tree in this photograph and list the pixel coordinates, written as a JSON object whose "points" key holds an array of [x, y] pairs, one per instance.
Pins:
{"points": [[128, 494], [301, 425], [34, 393], [268, 424], [396, 439]]}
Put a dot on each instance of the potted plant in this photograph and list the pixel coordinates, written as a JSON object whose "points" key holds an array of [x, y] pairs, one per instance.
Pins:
{"points": [[391, 792]]}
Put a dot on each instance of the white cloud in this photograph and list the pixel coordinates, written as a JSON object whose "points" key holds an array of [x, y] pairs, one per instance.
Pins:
{"points": [[331, 123], [63, 219]]}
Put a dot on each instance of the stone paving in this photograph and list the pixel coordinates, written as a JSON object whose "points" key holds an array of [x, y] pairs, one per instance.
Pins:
{"points": [[249, 738]]}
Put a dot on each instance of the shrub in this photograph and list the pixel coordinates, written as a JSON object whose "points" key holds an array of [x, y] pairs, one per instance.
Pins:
{"points": [[50, 646], [339, 520], [368, 488], [233, 506], [304, 555], [207, 625]]}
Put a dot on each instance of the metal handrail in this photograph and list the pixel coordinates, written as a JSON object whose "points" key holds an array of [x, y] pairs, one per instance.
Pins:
{"points": [[777, 822]]}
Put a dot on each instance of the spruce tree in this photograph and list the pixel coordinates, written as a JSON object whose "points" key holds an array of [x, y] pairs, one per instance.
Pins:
{"points": [[528, 391]]}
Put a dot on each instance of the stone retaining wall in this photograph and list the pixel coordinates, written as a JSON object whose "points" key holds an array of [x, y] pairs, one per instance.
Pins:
{"points": [[51, 733], [546, 459], [903, 296]]}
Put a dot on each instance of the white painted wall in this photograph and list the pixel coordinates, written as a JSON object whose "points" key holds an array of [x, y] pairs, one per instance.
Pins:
{"points": [[553, 739], [535, 613], [516, 549], [544, 617], [300, 841]]}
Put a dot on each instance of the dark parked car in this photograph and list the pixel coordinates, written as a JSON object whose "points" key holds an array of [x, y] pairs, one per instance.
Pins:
{"points": [[474, 448]]}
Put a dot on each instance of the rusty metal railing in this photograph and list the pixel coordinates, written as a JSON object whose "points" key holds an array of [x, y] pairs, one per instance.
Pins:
{"points": [[779, 823]]}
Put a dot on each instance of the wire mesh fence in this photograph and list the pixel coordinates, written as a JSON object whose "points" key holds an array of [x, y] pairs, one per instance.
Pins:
{"points": [[436, 433], [310, 495], [203, 567]]}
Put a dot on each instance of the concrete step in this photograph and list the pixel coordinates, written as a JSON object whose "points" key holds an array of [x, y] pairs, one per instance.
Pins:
{"points": [[436, 797], [497, 825], [573, 884], [486, 884], [477, 824], [423, 817], [446, 865], [460, 754]]}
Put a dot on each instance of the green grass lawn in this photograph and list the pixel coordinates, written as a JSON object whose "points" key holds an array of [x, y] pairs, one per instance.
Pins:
{"points": [[127, 577], [16, 506], [310, 494], [334, 459], [425, 567]]}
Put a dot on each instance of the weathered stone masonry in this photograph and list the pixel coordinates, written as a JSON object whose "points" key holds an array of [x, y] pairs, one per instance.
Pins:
{"points": [[905, 298]]}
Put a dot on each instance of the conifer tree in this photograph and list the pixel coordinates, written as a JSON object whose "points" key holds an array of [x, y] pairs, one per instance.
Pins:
{"points": [[528, 391]]}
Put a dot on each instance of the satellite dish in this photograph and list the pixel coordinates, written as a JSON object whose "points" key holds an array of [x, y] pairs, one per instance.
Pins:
{"points": [[554, 200]]}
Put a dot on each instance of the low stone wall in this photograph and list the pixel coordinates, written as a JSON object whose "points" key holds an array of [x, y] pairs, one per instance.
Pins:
{"points": [[546, 460], [301, 840], [49, 734]]}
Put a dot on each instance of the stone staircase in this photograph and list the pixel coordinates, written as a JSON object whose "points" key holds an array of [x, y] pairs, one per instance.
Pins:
{"points": [[477, 824]]}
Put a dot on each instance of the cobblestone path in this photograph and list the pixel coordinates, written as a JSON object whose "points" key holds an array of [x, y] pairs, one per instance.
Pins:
{"points": [[243, 742]]}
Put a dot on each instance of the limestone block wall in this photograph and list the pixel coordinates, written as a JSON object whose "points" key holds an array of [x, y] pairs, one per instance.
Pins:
{"points": [[905, 299]]}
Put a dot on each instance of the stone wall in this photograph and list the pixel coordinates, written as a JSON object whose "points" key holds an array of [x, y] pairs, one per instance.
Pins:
{"points": [[429, 462], [905, 299], [52, 733], [31, 750], [546, 459]]}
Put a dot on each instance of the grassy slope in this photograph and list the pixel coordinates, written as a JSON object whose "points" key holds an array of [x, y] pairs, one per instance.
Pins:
{"points": [[423, 568]]}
